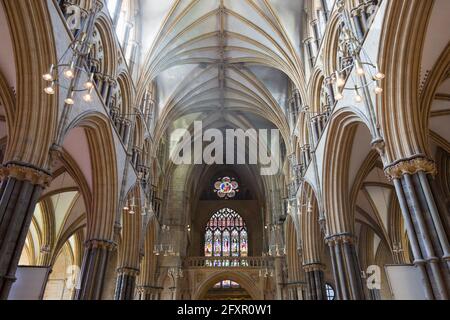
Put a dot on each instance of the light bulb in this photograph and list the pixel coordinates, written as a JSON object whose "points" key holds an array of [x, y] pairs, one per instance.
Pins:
{"points": [[358, 98], [359, 68], [339, 96], [69, 100], [340, 82], [49, 76], [360, 71], [90, 83], [378, 90], [379, 75], [50, 90], [69, 74], [131, 212], [88, 97]]}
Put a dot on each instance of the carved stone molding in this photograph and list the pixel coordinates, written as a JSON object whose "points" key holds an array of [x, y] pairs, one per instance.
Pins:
{"points": [[313, 267], [411, 167], [128, 271], [101, 244], [380, 146], [24, 173], [340, 238]]}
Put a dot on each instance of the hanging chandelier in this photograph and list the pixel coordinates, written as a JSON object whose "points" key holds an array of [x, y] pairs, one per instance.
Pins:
{"points": [[131, 206], [368, 74], [165, 245], [276, 246], [74, 65]]}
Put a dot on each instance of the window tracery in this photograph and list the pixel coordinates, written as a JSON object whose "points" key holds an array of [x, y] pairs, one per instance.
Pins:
{"points": [[226, 188], [226, 235]]}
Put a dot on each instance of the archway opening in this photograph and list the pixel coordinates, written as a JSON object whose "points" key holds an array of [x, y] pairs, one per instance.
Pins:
{"points": [[227, 290]]}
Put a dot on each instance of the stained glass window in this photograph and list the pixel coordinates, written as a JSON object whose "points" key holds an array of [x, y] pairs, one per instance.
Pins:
{"points": [[227, 284], [226, 236], [208, 244], [226, 188]]}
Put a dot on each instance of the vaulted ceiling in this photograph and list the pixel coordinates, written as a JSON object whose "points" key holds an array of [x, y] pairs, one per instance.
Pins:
{"points": [[227, 58]]}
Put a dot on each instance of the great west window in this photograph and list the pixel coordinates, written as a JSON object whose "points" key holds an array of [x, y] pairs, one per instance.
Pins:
{"points": [[226, 236]]}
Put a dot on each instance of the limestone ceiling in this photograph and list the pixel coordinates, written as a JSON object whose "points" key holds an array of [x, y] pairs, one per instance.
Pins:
{"points": [[211, 55], [436, 40]]}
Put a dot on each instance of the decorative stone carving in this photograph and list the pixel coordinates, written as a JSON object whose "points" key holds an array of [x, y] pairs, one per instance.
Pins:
{"points": [[313, 267], [410, 167], [23, 173], [128, 271], [340, 238], [101, 244]]}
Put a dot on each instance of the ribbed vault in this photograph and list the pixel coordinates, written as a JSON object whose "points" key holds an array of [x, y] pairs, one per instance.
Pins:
{"points": [[217, 55]]}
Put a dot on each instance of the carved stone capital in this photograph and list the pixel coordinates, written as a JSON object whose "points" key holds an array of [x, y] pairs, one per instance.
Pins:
{"points": [[410, 167], [132, 272], [380, 146], [24, 173], [308, 40], [313, 267], [340, 238], [101, 244]]}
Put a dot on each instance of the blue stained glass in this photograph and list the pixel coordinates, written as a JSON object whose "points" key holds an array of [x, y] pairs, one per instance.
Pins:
{"points": [[217, 244], [244, 244], [208, 243], [226, 236], [226, 244]]}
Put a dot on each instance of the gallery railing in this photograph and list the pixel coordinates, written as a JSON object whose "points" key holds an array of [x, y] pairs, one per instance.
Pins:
{"points": [[228, 262]]}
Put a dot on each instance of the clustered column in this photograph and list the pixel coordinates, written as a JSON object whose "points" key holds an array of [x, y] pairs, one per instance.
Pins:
{"points": [[93, 270], [424, 215], [279, 278], [310, 51], [346, 269], [20, 190], [126, 283], [315, 281], [149, 293]]}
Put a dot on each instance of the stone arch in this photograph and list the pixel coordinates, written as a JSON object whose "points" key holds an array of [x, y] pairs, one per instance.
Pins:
{"points": [[130, 246], [399, 111], [125, 87], [317, 79], [339, 142], [105, 38], [331, 42], [247, 282], [102, 210], [312, 236], [147, 280], [292, 251], [8, 102], [34, 51]]}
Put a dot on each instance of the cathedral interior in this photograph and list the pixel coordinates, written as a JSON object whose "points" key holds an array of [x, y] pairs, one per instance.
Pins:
{"points": [[119, 180]]}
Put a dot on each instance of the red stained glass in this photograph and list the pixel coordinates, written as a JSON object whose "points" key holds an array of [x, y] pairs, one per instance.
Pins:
{"points": [[226, 235]]}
